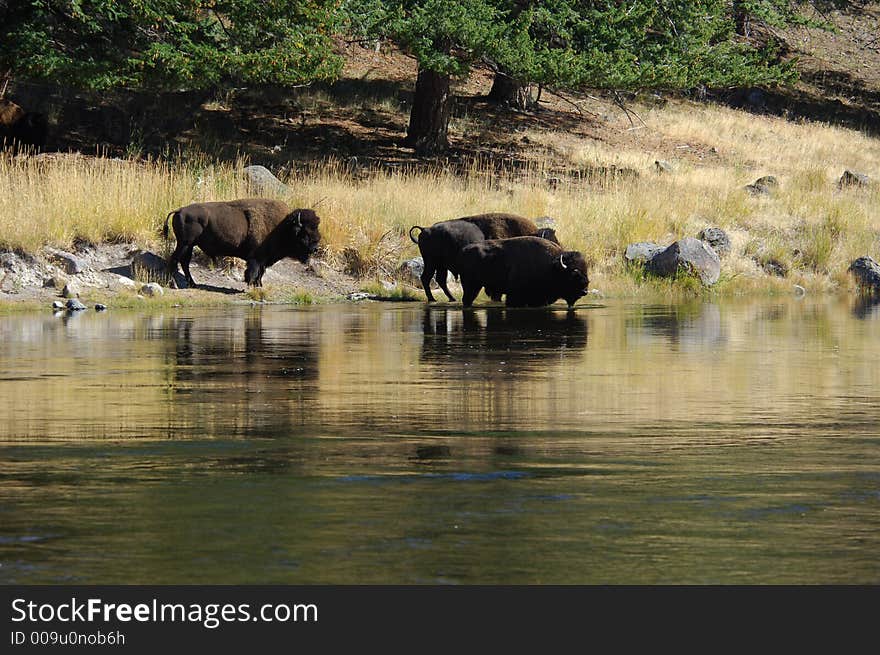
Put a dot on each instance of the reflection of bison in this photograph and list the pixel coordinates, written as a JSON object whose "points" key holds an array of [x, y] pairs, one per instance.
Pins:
{"points": [[258, 230], [21, 128], [440, 245], [532, 272]]}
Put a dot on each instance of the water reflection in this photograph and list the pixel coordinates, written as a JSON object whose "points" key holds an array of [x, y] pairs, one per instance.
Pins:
{"points": [[865, 306], [707, 442]]}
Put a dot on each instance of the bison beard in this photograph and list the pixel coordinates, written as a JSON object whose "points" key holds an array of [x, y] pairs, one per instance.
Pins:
{"points": [[258, 230], [441, 244], [532, 272]]}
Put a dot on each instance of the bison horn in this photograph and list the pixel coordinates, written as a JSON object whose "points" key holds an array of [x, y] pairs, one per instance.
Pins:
{"points": [[562, 261], [298, 221]]}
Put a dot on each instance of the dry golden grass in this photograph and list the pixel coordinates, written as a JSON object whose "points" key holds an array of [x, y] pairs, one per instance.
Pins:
{"points": [[808, 226]]}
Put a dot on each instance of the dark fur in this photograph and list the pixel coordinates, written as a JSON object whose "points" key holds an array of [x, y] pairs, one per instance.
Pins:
{"points": [[527, 269], [20, 128], [440, 245], [258, 230]]}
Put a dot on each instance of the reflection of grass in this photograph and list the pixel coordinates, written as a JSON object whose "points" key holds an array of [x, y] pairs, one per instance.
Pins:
{"points": [[807, 224], [397, 292]]}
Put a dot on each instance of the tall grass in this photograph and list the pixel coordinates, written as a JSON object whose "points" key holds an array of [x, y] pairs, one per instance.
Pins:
{"points": [[809, 225]]}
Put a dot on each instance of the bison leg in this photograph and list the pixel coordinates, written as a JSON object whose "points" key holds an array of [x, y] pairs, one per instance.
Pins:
{"points": [[253, 274], [471, 291], [426, 276], [185, 259], [441, 280]]}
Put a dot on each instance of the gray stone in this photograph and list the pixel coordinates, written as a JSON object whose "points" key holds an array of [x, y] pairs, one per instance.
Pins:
{"points": [[763, 186], [662, 166], [546, 222], [411, 271], [74, 305], [774, 267], [147, 266], [100, 307], [8, 260], [69, 263], [70, 290], [717, 239], [853, 179], [866, 272], [57, 304], [261, 180], [687, 255], [152, 289], [54, 282], [360, 295], [642, 252]]}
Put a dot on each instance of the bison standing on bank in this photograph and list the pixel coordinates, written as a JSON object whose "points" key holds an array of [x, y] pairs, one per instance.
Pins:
{"points": [[19, 128], [532, 272], [257, 230], [441, 244]]}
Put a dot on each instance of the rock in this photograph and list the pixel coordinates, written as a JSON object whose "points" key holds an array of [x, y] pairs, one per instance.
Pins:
{"points": [[411, 271], [54, 282], [799, 291], [57, 304], [763, 186], [261, 180], [100, 307], [122, 282], [70, 290], [64, 260], [8, 260], [853, 179], [774, 267], [662, 166], [546, 222], [642, 252], [147, 266], [388, 285], [74, 305], [689, 255], [866, 272], [151, 290], [717, 239], [360, 295]]}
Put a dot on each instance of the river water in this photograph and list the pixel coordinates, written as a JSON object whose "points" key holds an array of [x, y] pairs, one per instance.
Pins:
{"points": [[733, 442]]}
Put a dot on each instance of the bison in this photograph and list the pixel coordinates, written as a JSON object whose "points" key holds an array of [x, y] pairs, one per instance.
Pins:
{"points": [[257, 230], [20, 128], [532, 272], [440, 245]]}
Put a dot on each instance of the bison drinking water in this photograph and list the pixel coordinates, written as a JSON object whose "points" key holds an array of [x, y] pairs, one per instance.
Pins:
{"points": [[440, 245], [257, 230], [532, 272]]}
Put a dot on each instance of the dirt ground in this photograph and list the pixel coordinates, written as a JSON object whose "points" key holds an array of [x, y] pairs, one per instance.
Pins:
{"points": [[106, 274]]}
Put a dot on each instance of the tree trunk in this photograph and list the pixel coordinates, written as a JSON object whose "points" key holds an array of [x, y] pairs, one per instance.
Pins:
{"points": [[429, 118], [741, 19], [507, 91]]}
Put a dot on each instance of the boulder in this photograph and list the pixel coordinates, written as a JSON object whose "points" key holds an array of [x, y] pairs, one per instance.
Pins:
{"points": [[687, 255], [763, 186], [642, 252], [853, 179], [74, 305], [152, 289], [866, 272], [70, 290], [717, 239], [261, 180], [546, 222], [69, 263], [100, 307], [662, 166], [411, 271], [57, 304]]}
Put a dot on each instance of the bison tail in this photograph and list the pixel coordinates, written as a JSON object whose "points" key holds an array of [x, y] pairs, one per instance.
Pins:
{"points": [[165, 226], [412, 238]]}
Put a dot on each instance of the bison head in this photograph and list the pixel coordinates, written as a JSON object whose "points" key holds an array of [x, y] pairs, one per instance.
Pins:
{"points": [[302, 235], [572, 273]]}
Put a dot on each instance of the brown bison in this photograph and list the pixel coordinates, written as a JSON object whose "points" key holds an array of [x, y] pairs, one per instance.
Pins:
{"points": [[532, 272], [440, 245], [20, 128], [257, 230]]}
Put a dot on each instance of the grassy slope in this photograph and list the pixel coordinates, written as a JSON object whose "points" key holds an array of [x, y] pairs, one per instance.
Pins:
{"points": [[502, 161]]}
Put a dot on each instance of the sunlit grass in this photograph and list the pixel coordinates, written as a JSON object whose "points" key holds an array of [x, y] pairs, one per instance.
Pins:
{"points": [[808, 225]]}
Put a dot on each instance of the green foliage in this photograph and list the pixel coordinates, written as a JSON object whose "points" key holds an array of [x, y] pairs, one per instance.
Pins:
{"points": [[189, 44]]}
